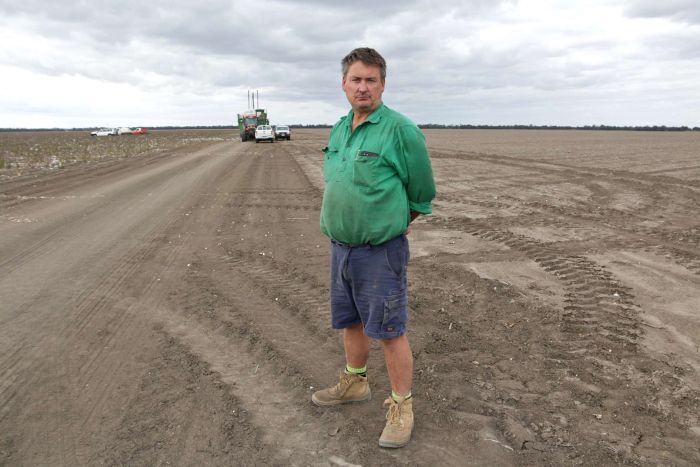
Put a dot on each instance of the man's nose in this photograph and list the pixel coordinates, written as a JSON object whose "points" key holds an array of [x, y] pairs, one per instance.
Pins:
{"points": [[363, 86]]}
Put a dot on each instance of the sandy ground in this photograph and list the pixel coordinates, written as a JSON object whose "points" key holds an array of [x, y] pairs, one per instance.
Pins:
{"points": [[172, 309]]}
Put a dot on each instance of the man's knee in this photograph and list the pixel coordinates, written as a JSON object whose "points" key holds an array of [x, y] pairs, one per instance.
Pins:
{"points": [[395, 342]]}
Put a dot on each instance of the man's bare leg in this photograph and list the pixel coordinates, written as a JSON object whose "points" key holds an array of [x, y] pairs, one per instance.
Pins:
{"points": [[356, 346], [353, 386], [399, 364]]}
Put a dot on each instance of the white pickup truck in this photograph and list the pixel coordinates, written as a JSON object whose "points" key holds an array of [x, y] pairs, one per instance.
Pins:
{"points": [[104, 132], [283, 132], [264, 133]]}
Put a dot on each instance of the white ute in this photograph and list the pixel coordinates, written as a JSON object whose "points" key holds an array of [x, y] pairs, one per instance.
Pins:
{"points": [[283, 132], [104, 132], [264, 133]]}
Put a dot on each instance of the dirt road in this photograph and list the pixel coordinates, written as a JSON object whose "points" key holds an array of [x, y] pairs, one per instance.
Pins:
{"points": [[172, 309]]}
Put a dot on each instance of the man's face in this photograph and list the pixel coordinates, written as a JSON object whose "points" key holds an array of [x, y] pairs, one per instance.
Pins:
{"points": [[363, 86]]}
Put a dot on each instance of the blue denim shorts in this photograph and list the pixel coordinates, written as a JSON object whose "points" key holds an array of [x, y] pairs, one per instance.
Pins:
{"points": [[368, 285]]}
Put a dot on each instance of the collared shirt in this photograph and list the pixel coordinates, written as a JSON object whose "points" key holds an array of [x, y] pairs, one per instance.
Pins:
{"points": [[375, 176]]}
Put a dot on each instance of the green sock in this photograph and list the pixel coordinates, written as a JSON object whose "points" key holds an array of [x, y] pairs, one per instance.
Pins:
{"points": [[356, 371], [399, 398]]}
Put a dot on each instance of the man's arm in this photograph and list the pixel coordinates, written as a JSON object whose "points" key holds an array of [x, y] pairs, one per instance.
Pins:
{"points": [[415, 170]]}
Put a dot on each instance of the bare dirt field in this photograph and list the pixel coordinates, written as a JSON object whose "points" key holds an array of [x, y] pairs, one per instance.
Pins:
{"points": [[170, 307]]}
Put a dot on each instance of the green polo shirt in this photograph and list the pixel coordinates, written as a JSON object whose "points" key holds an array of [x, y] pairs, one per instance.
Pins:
{"points": [[375, 176]]}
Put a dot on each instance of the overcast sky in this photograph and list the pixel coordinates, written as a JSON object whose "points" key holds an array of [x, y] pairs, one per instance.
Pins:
{"points": [[558, 62]]}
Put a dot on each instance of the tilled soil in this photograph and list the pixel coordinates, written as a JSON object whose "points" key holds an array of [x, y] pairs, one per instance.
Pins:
{"points": [[172, 308]]}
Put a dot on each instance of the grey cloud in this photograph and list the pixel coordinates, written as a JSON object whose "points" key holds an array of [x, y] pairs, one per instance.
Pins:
{"points": [[289, 33], [436, 51], [686, 11], [684, 45], [294, 48], [478, 8]]}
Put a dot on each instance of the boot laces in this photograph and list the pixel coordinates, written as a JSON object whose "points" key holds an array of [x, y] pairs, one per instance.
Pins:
{"points": [[394, 413], [343, 385]]}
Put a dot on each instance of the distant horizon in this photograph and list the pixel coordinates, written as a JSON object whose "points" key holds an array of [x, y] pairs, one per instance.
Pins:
{"points": [[457, 126]]}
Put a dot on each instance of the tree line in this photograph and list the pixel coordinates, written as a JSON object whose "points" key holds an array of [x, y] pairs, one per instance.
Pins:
{"points": [[560, 127], [421, 125], [533, 127]]}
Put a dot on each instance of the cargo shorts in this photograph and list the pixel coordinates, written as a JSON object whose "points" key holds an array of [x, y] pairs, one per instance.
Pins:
{"points": [[369, 285]]}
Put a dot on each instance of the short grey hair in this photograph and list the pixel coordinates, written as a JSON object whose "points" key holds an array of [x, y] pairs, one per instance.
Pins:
{"points": [[367, 56]]}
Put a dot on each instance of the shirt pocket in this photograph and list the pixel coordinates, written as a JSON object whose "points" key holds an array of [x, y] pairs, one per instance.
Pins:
{"points": [[365, 168]]}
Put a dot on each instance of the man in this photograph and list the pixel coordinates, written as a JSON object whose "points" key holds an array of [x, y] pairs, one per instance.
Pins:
{"points": [[378, 179]]}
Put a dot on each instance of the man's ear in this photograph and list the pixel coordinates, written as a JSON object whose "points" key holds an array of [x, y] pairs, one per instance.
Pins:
{"points": [[342, 83]]}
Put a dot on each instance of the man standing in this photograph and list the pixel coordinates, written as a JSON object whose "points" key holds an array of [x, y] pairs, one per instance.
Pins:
{"points": [[378, 179]]}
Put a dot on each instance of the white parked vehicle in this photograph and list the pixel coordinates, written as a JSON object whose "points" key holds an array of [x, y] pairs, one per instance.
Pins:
{"points": [[283, 132], [124, 131], [264, 133], [104, 132]]}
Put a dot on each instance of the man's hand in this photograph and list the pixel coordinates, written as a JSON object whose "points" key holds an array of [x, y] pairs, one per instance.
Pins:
{"points": [[414, 214]]}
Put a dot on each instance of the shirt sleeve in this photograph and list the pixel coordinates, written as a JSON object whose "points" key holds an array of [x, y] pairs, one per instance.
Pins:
{"points": [[415, 170]]}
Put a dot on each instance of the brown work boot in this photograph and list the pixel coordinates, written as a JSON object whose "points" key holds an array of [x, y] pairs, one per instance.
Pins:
{"points": [[351, 388], [399, 423]]}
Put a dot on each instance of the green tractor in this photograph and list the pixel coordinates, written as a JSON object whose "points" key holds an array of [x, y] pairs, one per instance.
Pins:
{"points": [[249, 120]]}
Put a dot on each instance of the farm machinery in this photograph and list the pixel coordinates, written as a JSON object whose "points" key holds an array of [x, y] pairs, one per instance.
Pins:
{"points": [[250, 119]]}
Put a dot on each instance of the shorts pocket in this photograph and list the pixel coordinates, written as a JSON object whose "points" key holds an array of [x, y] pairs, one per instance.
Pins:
{"points": [[397, 257], [395, 314]]}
